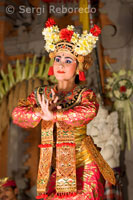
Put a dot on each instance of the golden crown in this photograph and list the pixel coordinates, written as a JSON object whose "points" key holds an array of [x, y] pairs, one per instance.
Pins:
{"points": [[68, 39]]}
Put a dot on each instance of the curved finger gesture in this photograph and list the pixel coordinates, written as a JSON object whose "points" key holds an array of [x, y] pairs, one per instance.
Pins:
{"points": [[45, 113], [54, 104]]}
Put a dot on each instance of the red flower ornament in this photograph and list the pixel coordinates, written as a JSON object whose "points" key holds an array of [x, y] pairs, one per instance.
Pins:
{"points": [[50, 22], [66, 34], [95, 30], [123, 89]]}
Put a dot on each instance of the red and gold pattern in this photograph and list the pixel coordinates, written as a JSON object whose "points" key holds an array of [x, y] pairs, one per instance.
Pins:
{"points": [[107, 173], [79, 106], [89, 184], [65, 169], [24, 114], [44, 169], [45, 156]]}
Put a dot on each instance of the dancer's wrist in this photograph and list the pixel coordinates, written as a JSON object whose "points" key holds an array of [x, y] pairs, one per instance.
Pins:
{"points": [[55, 117]]}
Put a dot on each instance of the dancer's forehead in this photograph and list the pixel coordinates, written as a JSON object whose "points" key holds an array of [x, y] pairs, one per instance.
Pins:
{"points": [[65, 54]]}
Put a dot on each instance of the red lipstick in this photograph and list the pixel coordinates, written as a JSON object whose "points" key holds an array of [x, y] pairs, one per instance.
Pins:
{"points": [[61, 72]]}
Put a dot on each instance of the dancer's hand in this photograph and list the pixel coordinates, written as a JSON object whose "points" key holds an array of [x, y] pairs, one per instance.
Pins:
{"points": [[53, 105], [45, 113]]}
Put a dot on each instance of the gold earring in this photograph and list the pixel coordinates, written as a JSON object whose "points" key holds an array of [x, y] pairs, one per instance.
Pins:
{"points": [[77, 71], [80, 60], [52, 55]]}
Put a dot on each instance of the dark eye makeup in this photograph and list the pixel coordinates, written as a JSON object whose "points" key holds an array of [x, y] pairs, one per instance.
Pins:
{"points": [[57, 59], [68, 60]]}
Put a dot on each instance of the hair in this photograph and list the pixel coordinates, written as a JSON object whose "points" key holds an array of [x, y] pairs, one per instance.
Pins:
{"points": [[13, 187], [88, 61]]}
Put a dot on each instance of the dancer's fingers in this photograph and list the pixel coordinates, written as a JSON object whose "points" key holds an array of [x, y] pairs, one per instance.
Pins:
{"points": [[53, 94], [43, 101], [59, 107], [39, 99], [56, 99]]}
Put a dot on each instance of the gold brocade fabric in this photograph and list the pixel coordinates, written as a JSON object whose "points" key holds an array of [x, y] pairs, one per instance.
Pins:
{"points": [[45, 157], [103, 166], [82, 155], [65, 160]]}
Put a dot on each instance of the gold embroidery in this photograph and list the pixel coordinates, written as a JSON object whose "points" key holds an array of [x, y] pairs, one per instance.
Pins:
{"points": [[44, 169], [23, 102], [91, 95], [103, 166], [47, 132], [76, 99], [37, 109], [65, 169], [64, 126], [46, 124]]}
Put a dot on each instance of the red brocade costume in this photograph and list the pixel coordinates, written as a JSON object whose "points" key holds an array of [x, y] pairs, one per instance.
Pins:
{"points": [[65, 146]]}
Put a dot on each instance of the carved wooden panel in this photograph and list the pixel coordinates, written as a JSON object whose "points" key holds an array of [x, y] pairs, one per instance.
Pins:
{"points": [[119, 33]]}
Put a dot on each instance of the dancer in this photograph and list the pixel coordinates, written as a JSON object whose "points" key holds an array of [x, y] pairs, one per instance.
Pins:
{"points": [[64, 109]]}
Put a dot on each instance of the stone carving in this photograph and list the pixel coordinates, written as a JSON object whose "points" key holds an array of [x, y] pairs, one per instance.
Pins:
{"points": [[28, 41], [119, 33], [117, 37]]}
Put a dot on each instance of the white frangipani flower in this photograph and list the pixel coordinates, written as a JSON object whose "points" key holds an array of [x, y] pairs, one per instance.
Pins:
{"points": [[70, 27]]}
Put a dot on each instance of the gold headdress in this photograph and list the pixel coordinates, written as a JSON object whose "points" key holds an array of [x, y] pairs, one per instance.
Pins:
{"points": [[67, 39]]}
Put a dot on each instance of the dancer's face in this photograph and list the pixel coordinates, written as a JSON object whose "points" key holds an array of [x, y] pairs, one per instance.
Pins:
{"points": [[8, 193], [64, 66]]}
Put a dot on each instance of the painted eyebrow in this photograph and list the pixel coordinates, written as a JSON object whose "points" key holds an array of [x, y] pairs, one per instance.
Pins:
{"points": [[58, 56], [69, 58], [65, 57]]}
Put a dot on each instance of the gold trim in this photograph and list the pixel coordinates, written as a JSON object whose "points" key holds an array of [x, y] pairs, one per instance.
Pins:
{"points": [[75, 103], [103, 166]]}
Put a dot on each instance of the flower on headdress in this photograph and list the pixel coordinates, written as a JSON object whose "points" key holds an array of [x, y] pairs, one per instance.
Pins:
{"points": [[95, 30], [84, 32], [82, 44], [75, 38], [90, 38], [49, 47], [51, 35], [47, 31], [55, 38], [55, 29], [50, 22], [70, 27], [65, 34], [80, 49]]}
